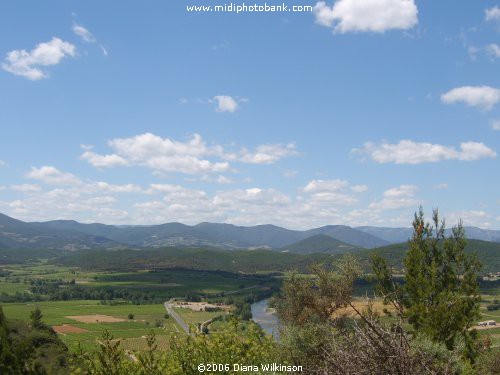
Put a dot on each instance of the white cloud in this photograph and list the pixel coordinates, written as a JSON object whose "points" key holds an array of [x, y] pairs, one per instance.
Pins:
{"points": [[103, 161], [493, 50], [335, 192], [482, 97], [104, 50], [441, 186], [83, 33], [396, 198], [160, 154], [164, 188], [320, 205], [66, 203], [359, 188], [224, 180], [266, 154], [28, 64], [410, 152], [316, 186], [52, 176], [193, 156], [2, 163], [225, 103], [367, 15], [495, 124], [492, 14], [477, 218], [290, 174], [26, 188], [125, 188]]}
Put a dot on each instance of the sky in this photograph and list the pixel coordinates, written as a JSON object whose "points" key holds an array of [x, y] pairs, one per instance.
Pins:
{"points": [[356, 112]]}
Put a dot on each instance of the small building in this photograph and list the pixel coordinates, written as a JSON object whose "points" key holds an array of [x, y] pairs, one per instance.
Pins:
{"points": [[487, 323]]}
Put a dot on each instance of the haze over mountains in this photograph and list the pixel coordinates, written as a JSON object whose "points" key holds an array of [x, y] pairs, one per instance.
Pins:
{"points": [[71, 235]]}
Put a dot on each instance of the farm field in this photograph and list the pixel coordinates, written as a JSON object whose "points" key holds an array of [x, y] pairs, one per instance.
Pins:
{"points": [[192, 318], [143, 284], [83, 322], [171, 283], [59, 313], [492, 333]]}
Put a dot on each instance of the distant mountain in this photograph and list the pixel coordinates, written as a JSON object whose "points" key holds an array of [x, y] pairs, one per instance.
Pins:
{"points": [[487, 252], [71, 235], [225, 236], [256, 236], [391, 235], [349, 235], [18, 234], [319, 243], [397, 235], [476, 233], [170, 234]]}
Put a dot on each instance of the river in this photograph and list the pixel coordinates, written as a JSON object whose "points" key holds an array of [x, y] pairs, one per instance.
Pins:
{"points": [[264, 318]]}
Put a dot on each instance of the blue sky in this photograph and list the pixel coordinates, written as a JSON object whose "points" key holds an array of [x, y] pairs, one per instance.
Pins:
{"points": [[355, 113]]}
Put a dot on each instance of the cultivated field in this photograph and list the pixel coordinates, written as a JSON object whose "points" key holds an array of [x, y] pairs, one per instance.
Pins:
{"points": [[83, 322], [87, 331]]}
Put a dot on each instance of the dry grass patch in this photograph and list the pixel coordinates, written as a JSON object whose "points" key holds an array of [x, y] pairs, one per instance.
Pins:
{"points": [[96, 318], [362, 304], [68, 328]]}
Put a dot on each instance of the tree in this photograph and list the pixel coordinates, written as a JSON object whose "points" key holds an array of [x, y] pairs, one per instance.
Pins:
{"points": [[440, 294], [36, 319]]}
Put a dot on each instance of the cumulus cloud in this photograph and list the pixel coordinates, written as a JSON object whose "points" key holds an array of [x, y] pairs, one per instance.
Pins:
{"points": [[160, 154], [29, 64], [477, 218], [266, 154], [244, 198], [66, 203], [107, 187], [225, 103], [250, 206], [396, 198], [441, 186], [410, 152], [367, 15], [193, 156], [26, 188], [316, 186], [492, 14], [336, 192], [482, 97], [495, 124], [493, 50], [52, 176], [224, 180], [83, 33], [103, 161]]}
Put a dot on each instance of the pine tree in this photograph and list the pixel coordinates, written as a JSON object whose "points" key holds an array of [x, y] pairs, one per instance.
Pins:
{"points": [[440, 295], [36, 319]]}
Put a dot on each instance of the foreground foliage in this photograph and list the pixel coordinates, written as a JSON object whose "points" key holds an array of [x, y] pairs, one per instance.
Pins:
{"points": [[31, 349]]}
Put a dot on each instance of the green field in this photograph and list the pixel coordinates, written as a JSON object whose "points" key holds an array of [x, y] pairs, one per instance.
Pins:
{"points": [[192, 318], [141, 285], [150, 288], [9, 287], [172, 283], [55, 313], [131, 331]]}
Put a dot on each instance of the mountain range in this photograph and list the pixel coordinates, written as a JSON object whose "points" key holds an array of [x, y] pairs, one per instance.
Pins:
{"points": [[72, 235]]}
